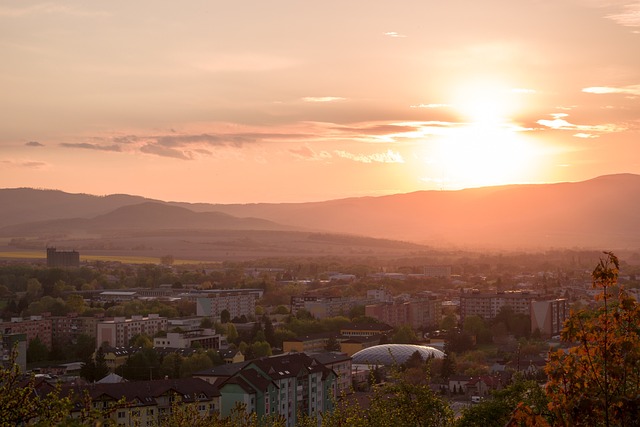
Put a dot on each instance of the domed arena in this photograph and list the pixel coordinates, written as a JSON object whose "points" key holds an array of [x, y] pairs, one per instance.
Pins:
{"points": [[393, 354]]}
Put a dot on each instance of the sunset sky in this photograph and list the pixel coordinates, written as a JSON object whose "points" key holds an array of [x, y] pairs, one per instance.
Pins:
{"points": [[289, 101]]}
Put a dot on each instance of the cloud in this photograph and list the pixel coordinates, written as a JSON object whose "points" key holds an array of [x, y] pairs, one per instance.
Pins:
{"points": [[585, 135], [559, 123], [34, 144], [307, 153], [388, 157], [162, 151], [629, 17], [322, 98], [627, 90], [27, 164], [394, 34], [88, 146]]}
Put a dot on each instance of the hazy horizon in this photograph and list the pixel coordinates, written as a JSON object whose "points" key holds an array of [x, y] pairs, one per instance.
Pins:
{"points": [[295, 102]]}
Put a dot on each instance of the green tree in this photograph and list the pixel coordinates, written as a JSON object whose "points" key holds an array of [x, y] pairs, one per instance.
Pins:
{"points": [[37, 351], [21, 403], [332, 344], [597, 382], [404, 335], [500, 408], [101, 368], [225, 316], [232, 333]]}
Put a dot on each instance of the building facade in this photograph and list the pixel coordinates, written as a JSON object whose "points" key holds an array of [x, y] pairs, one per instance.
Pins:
{"points": [[57, 258], [118, 331], [238, 302], [548, 316]]}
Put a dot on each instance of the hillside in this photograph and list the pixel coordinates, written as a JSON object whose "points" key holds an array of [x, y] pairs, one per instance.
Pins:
{"points": [[602, 213]]}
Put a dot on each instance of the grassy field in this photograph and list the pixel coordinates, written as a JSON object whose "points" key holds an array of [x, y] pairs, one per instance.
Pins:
{"points": [[125, 259]]}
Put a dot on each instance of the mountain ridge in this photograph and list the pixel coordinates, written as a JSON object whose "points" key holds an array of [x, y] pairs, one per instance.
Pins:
{"points": [[601, 213]]}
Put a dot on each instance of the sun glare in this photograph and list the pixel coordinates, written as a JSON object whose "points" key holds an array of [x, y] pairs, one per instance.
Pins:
{"points": [[484, 102], [487, 149]]}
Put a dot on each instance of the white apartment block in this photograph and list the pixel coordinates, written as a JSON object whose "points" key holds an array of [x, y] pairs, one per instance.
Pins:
{"points": [[118, 331], [206, 339], [488, 305], [237, 302]]}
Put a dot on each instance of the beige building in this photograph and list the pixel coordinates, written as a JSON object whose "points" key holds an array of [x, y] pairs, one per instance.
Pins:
{"points": [[206, 339], [32, 327], [548, 316], [118, 331], [418, 312], [238, 302], [488, 305]]}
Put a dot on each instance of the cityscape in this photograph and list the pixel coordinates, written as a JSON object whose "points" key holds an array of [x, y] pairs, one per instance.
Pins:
{"points": [[341, 213]]}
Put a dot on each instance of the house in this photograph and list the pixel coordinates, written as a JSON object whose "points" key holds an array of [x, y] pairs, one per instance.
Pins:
{"points": [[288, 385], [140, 403]]}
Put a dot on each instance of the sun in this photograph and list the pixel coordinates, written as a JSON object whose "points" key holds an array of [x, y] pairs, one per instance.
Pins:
{"points": [[486, 147]]}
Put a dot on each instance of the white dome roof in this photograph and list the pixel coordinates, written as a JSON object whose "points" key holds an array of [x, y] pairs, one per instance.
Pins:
{"points": [[390, 354]]}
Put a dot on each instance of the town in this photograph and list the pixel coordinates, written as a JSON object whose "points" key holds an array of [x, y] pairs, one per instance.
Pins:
{"points": [[291, 339]]}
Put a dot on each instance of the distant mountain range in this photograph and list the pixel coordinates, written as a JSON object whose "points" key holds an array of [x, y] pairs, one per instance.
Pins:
{"points": [[602, 213]]}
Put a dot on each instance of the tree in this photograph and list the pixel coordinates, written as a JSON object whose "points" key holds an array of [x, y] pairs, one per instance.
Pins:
{"points": [[597, 382], [101, 368], [404, 335], [206, 323], [498, 410], [37, 351], [232, 333], [225, 316], [332, 344], [22, 404], [281, 309]]}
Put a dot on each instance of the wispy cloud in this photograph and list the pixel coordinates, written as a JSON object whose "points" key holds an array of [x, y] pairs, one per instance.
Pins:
{"points": [[162, 151], [322, 98], [88, 146], [627, 90], [388, 157], [27, 164], [629, 16], [559, 123], [34, 144], [394, 34], [307, 153]]}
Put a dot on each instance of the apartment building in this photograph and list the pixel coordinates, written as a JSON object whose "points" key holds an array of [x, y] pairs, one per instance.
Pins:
{"points": [[548, 316], [147, 403], [118, 331], [288, 385], [32, 327], [417, 312], [238, 302], [206, 339], [487, 305]]}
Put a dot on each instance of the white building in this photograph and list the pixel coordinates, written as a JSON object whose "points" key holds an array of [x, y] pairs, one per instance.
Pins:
{"points": [[238, 302], [118, 331]]}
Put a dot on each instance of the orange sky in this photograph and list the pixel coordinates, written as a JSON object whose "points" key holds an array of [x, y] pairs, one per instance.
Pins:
{"points": [[273, 101]]}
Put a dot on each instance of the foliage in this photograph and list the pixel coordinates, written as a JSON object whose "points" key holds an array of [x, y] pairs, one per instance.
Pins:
{"points": [[597, 382], [520, 395], [20, 403], [404, 335], [36, 351]]}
